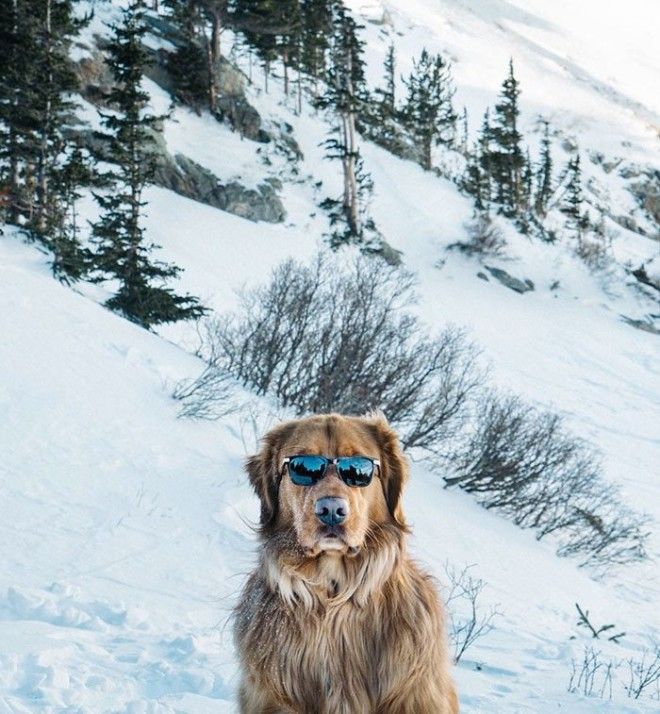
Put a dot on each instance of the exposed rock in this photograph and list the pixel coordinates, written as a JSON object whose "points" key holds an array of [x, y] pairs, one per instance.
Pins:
{"points": [[95, 80], [161, 27], [384, 250], [647, 193], [643, 277], [393, 140], [231, 81], [94, 77], [646, 325], [483, 276], [187, 178], [520, 286], [243, 117], [628, 222], [157, 72]]}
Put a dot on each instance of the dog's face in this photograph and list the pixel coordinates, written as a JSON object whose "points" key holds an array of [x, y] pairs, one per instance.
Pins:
{"points": [[287, 507]]}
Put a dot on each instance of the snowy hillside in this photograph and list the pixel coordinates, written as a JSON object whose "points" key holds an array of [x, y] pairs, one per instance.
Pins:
{"points": [[127, 532]]}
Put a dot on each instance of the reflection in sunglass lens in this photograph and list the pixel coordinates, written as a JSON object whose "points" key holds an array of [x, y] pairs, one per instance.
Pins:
{"points": [[355, 470], [306, 470]]}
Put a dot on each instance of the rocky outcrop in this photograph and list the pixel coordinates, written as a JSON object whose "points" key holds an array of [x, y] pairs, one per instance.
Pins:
{"points": [[94, 77], [187, 178], [646, 191], [519, 286]]}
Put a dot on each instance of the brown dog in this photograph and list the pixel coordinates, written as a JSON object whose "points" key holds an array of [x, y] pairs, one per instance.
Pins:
{"points": [[337, 619]]}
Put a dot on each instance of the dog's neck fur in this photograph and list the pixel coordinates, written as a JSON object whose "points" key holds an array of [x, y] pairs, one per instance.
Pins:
{"points": [[332, 579]]}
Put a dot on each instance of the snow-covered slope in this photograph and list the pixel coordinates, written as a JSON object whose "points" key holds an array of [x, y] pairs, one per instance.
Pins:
{"points": [[126, 531]]}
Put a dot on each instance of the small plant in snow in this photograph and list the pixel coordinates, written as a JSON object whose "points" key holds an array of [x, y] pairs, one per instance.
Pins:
{"points": [[208, 396], [644, 674], [596, 632], [468, 621], [484, 237], [592, 675]]}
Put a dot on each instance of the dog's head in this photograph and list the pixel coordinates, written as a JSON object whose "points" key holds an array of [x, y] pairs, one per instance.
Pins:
{"points": [[302, 510]]}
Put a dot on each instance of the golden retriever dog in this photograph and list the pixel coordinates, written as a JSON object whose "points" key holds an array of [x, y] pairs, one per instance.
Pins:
{"points": [[337, 619]]}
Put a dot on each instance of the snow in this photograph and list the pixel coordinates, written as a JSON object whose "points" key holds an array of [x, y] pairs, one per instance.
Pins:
{"points": [[125, 532]]}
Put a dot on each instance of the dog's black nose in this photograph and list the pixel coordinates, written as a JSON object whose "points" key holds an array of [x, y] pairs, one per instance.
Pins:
{"points": [[331, 510]]}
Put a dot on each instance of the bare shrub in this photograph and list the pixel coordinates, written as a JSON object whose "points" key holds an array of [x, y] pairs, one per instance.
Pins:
{"points": [[593, 245], [338, 337], [594, 251], [208, 396], [643, 674], [468, 622], [592, 675], [522, 461], [484, 237]]}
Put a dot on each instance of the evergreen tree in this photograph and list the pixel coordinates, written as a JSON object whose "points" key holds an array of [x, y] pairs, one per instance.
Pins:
{"points": [[36, 75], [428, 113], [577, 221], [188, 65], [387, 94], [346, 95], [122, 251], [506, 158], [71, 261], [273, 29], [17, 104], [477, 179], [315, 34], [464, 134], [379, 119], [544, 174]]}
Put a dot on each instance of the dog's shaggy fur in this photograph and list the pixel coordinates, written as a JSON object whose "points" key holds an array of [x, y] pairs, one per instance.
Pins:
{"points": [[341, 622]]}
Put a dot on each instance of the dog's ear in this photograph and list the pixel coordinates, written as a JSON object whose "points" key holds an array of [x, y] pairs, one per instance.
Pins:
{"points": [[393, 464], [264, 475], [265, 486]]}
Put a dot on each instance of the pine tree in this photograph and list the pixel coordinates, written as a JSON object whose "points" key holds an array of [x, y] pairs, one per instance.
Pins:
{"points": [[188, 65], [428, 113], [122, 251], [273, 28], [477, 178], [571, 206], [387, 95], [17, 101], [315, 34], [71, 261], [346, 95], [544, 174], [36, 75], [378, 121], [506, 157], [464, 133]]}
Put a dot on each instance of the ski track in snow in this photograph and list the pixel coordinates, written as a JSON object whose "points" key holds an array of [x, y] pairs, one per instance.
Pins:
{"points": [[126, 532]]}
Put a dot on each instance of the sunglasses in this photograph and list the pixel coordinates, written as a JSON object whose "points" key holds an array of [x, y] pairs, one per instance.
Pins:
{"points": [[354, 471]]}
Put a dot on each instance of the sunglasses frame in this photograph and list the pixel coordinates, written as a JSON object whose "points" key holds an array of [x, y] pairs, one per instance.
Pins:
{"points": [[334, 461]]}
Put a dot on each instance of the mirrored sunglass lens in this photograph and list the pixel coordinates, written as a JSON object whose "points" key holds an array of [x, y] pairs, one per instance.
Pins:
{"points": [[356, 470], [306, 470]]}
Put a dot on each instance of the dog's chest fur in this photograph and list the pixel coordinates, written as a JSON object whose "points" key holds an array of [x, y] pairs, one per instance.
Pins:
{"points": [[319, 650]]}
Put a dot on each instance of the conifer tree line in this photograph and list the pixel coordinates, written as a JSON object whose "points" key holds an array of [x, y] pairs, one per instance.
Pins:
{"points": [[43, 167], [317, 46], [319, 42]]}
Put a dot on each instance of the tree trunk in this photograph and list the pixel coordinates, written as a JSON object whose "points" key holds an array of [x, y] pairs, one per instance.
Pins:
{"points": [[42, 161], [285, 63], [216, 30], [212, 88], [351, 188]]}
